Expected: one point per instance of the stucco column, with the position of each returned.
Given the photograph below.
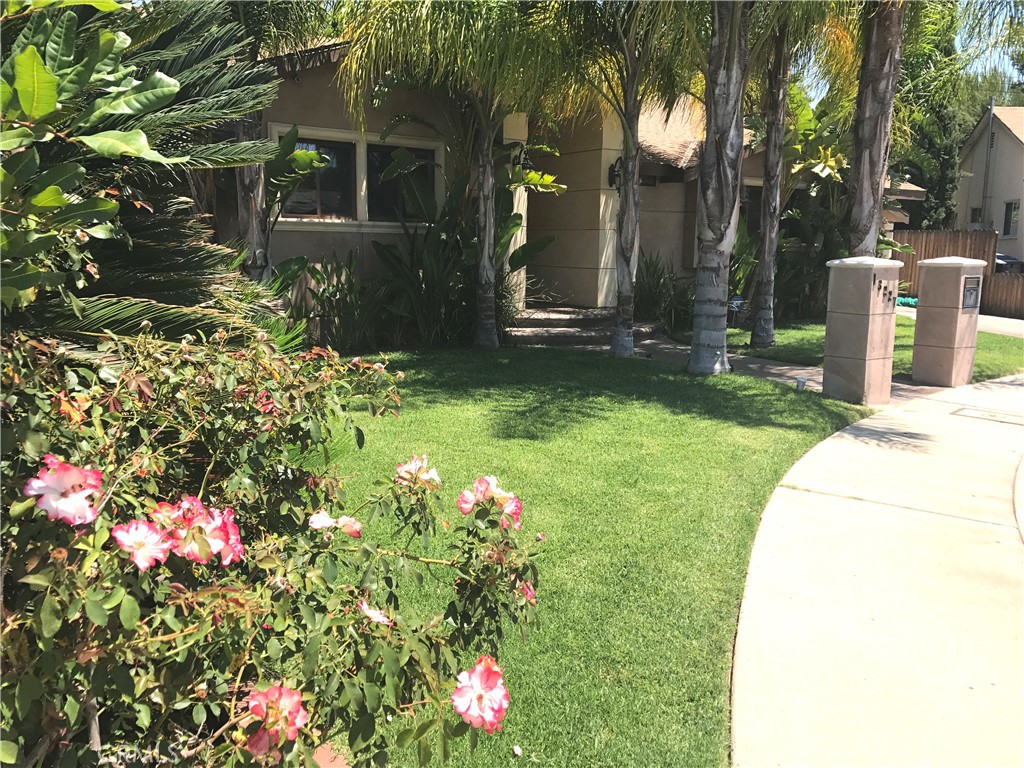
(860, 329)
(946, 332)
(516, 128)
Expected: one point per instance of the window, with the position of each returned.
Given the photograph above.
(975, 215)
(350, 192)
(330, 192)
(1011, 218)
(386, 200)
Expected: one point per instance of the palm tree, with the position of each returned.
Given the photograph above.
(872, 127)
(783, 30)
(165, 269)
(624, 55)
(492, 54)
(273, 27)
(718, 205)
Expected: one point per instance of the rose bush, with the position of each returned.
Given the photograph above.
(184, 580)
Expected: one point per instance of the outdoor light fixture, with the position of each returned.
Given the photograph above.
(522, 159)
(615, 174)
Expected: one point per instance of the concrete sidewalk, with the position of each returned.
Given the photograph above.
(1004, 326)
(883, 618)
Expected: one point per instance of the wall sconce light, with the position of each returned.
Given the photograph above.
(615, 174)
(521, 158)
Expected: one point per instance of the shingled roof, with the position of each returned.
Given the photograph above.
(674, 137)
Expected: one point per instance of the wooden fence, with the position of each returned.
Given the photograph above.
(975, 244)
(1001, 294)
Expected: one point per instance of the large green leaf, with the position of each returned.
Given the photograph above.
(66, 176)
(114, 144)
(15, 138)
(50, 617)
(152, 93)
(92, 211)
(6, 92)
(99, 5)
(22, 165)
(46, 199)
(60, 48)
(35, 84)
(527, 252)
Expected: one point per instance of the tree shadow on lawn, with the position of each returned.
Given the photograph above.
(536, 394)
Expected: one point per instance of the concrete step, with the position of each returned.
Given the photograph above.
(565, 317)
(575, 336)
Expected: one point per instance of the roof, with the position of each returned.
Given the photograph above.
(673, 137)
(1013, 119)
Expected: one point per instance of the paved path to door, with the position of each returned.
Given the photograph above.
(883, 618)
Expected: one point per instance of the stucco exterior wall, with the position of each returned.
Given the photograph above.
(579, 267)
(1006, 183)
(311, 100)
(663, 228)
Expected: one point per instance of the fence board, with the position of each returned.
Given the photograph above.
(933, 244)
(1003, 294)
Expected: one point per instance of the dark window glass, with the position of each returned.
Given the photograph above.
(328, 193)
(385, 199)
(1011, 215)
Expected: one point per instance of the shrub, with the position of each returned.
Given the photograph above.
(184, 580)
(661, 295)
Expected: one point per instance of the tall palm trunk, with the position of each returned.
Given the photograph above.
(718, 206)
(763, 332)
(253, 217)
(486, 323)
(879, 72)
(627, 251)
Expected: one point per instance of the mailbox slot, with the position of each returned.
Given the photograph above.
(972, 293)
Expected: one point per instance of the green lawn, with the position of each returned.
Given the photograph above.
(804, 344)
(649, 484)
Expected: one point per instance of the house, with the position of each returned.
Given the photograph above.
(347, 205)
(992, 164)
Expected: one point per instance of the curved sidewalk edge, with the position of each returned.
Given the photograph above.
(882, 622)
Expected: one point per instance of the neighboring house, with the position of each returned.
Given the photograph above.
(344, 207)
(992, 163)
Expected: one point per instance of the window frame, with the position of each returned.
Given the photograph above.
(362, 222)
(1014, 230)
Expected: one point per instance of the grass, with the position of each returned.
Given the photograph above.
(649, 484)
(804, 344)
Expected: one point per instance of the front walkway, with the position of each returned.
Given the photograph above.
(883, 618)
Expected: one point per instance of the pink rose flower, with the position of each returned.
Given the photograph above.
(526, 590)
(146, 543)
(481, 697)
(64, 491)
(512, 509)
(259, 742)
(483, 488)
(466, 502)
(377, 617)
(282, 713)
(416, 472)
(191, 522)
(320, 520)
(350, 526)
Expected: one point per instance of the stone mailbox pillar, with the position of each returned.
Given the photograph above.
(949, 299)
(860, 329)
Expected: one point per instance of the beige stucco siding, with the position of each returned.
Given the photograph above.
(579, 267)
(662, 219)
(1006, 183)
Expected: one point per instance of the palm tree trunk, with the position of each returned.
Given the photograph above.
(627, 252)
(486, 323)
(253, 217)
(718, 206)
(763, 332)
(879, 72)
